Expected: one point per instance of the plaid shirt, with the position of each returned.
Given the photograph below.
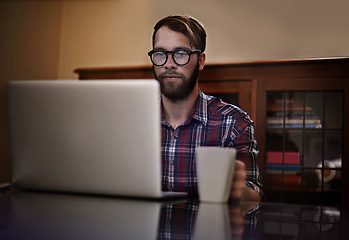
(212, 123)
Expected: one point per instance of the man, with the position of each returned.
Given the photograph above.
(190, 118)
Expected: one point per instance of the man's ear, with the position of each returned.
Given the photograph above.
(202, 60)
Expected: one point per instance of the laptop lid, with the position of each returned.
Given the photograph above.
(100, 137)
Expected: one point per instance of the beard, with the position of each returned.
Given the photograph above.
(174, 91)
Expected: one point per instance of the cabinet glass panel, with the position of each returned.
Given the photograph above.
(293, 195)
(294, 141)
(313, 148)
(275, 110)
(274, 140)
(294, 106)
(284, 147)
(333, 147)
(304, 146)
(333, 159)
(314, 109)
(310, 180)
(331, 178)
(334, 110)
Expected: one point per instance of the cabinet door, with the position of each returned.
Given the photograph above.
(241, 93)
(304, 146)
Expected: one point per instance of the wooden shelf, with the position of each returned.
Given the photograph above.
(297, 189)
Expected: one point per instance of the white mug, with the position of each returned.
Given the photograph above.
(215, 170)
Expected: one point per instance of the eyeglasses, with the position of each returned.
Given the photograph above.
(181, 56)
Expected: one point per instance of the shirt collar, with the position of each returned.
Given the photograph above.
(199, 112)
(200, 109)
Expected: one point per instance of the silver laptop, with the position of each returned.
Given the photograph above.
(96, 137)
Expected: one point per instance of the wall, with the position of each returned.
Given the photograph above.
(104, 33)
(29, 49)
(49, 39)
(240, 30)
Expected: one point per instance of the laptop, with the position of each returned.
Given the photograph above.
(94, 137)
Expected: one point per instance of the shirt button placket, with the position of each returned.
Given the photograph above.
(174, 135)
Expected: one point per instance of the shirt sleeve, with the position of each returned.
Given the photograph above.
(247, 151)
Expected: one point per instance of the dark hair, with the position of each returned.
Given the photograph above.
(187, 25)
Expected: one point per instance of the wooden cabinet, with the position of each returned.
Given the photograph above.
(300, 108)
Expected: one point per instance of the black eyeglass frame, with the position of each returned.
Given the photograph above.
(189, 52)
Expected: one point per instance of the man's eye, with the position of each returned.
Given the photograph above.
(181, 54)
(159, 54)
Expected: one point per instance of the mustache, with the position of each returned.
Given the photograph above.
(171, 74)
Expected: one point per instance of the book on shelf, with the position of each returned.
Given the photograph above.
(293, 120)
(295, 167)
(294, 126)
(283, 169)
(283, 158)
(281, 108)
(283, 180)
(292, 117)
(282, 172)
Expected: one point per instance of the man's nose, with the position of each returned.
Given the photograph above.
(170, 64)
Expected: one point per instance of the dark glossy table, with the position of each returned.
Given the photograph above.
(35, 215)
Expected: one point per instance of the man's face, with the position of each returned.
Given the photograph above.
(177, 82)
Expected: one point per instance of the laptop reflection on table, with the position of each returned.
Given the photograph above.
(35, 215)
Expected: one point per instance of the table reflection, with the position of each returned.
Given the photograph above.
(34, 215)
(195, 220)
